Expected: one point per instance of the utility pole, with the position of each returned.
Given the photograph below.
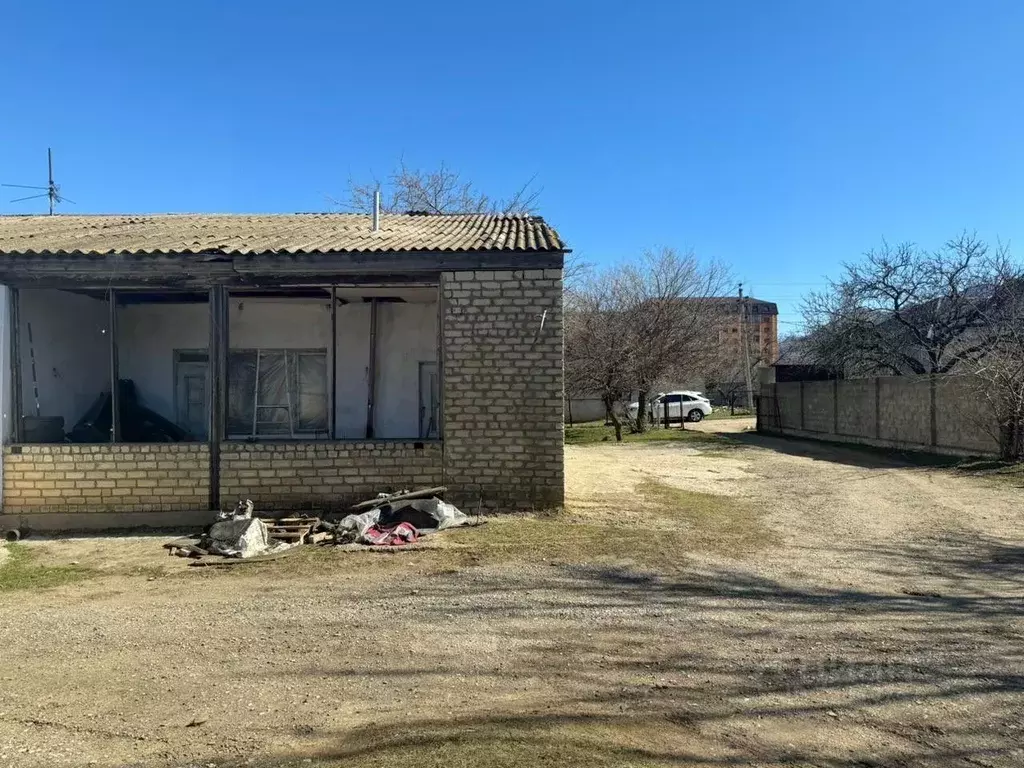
(746, 351)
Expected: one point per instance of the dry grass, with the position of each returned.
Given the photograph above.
(595, 432)
(1010, 473)
(722, 525)
(813, 610)
(696, 522)
(526, 740)
(19, 571)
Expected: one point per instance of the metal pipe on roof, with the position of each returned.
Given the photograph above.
(376, 210)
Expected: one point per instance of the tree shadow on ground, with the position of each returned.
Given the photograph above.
(724, 667)
(868, 457)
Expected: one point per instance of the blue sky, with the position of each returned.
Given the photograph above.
(780, 137)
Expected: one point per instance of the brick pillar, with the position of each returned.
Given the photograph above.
(501, 335)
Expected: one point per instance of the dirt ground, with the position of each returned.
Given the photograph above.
(753, 602)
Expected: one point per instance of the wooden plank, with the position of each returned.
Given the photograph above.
(14, 318)
(217, 374)
(206, 270)
(333, 387)
(186, 541)
(231, 561)
(371, 389)
(115, 380)
(418, 494)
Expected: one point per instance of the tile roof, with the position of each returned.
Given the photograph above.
(244, 234)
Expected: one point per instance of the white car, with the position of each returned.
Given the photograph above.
(691, 405)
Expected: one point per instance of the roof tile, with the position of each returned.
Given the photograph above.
(273, 233)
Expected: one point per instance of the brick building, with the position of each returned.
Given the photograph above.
(302, 361)
(753, 319)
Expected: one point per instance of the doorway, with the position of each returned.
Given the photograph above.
(191, 372)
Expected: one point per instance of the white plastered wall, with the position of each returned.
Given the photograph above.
(407, 334)
(71, 350)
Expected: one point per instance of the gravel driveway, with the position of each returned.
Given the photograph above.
(873, 616)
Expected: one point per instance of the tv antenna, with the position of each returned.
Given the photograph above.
(51, 190)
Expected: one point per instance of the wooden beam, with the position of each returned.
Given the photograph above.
(217, 375)
(371, 390)
(14, 320)
(191, 271)
(115, 383)
(442, 308)
(334, 364)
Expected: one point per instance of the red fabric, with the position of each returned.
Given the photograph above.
(392, 536)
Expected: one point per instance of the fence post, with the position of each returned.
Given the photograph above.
(933, 410)
(835, 406)
(878, 408)
(802, 407)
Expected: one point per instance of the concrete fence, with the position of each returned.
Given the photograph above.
(938, 414)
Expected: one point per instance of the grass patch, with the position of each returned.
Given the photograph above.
(524, 739)
(661, 525)
(706, 523)
(19, 571)
(1011, 473)
(149, 571)
(588, 434)
(723, 413)
(721, 524)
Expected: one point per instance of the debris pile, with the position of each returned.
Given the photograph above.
(236, 534)
(400, 518)
(138, 424)
(389, 520)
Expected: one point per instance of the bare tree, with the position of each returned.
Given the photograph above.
(575, 272)
(904, 310)
(631, 326)
(671, 327)
(597, 352)
(442, 190)
(998, 373)
(727, 379)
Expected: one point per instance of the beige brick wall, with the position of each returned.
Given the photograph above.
(502, 417)
(503, 388)
(904, 408)
(857, 407)
(106, 478)
(324, 475)
(819, 402)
